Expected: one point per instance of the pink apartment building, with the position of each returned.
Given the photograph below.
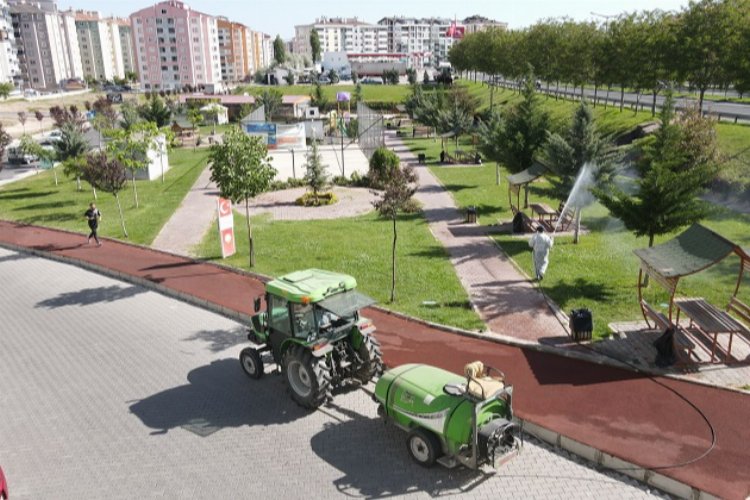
(175, 46)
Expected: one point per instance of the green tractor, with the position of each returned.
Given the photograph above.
(313, 329)
(451, 420)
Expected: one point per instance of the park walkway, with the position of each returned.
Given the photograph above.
(187, 226)
(632, 416)
(503, 296)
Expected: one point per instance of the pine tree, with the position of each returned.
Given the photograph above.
(566, 156)
(675, 168)
(316, 173)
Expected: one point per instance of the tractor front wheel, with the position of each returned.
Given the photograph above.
(251, 362)
(372, 359)
(307, 377)
(423, 446)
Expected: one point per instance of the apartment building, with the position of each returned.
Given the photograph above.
(234, 53)
(337, 34)
(46, 43)
(125, 34)
(101, 54)
(427, 41)
(175, 46)
(9, 69)
(476, 23)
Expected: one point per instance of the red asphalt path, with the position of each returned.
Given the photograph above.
(614, 410)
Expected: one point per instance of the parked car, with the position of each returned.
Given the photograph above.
(17, 155)
(372, 80)
(324, 80)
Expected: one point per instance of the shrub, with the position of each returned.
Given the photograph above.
(313, 200)
(288, 184)
(412, 206)
(382, 163)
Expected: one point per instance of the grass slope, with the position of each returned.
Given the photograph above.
(380, 93)
(36, 200)
(360, 246)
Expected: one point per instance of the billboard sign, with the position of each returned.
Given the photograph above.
(265, 130)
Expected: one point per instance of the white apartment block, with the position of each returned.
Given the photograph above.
(9, 68)
(99, 42)
(427, 41)
(125, 33)
(47, 47)
(341, 35)
(175, 46)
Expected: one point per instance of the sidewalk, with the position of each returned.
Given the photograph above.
(503, 297)
(619, 412)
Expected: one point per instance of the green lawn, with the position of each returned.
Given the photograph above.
(733, 138)
(380, 93)
(360, 246)
(36, 200)
(601, 271)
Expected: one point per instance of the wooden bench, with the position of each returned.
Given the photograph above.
(742, 310)
(684, 346)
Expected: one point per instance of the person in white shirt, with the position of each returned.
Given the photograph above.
(540, 245)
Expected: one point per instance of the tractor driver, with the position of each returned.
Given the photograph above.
(325, 319)
(304, 320)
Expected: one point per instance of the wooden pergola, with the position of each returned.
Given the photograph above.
(522, 180)
(692, 251)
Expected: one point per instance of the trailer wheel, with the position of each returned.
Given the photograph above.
(251, 362)
(307, 377)
(423, 446)
(372, 359)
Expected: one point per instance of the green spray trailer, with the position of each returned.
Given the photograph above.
(451, 419)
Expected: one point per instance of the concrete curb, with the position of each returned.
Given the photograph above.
(611, 462)
(664, 483)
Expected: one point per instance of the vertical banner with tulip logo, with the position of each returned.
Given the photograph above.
(226, 227)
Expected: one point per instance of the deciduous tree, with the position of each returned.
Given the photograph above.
(241, 168)
(398, 188)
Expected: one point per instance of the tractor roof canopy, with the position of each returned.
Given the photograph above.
(310, 285)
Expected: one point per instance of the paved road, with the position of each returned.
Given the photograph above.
(108, 390)
(628, 415)
(727, 110)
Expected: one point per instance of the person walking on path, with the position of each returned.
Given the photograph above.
(540, 245)
(92, 216)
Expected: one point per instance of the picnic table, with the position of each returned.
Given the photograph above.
(709, 319)
(543, 210)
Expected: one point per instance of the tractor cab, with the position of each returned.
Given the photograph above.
(315, 314)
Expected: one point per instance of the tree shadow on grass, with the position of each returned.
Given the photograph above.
(52, 204)
(22, 196)
(47, 218)
(217, 395)
(579, 289)
(433, 252)
(91, 296)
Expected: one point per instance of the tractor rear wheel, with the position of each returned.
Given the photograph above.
(307, 377)
(251, 362)
(372, 359)
(423, 446)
